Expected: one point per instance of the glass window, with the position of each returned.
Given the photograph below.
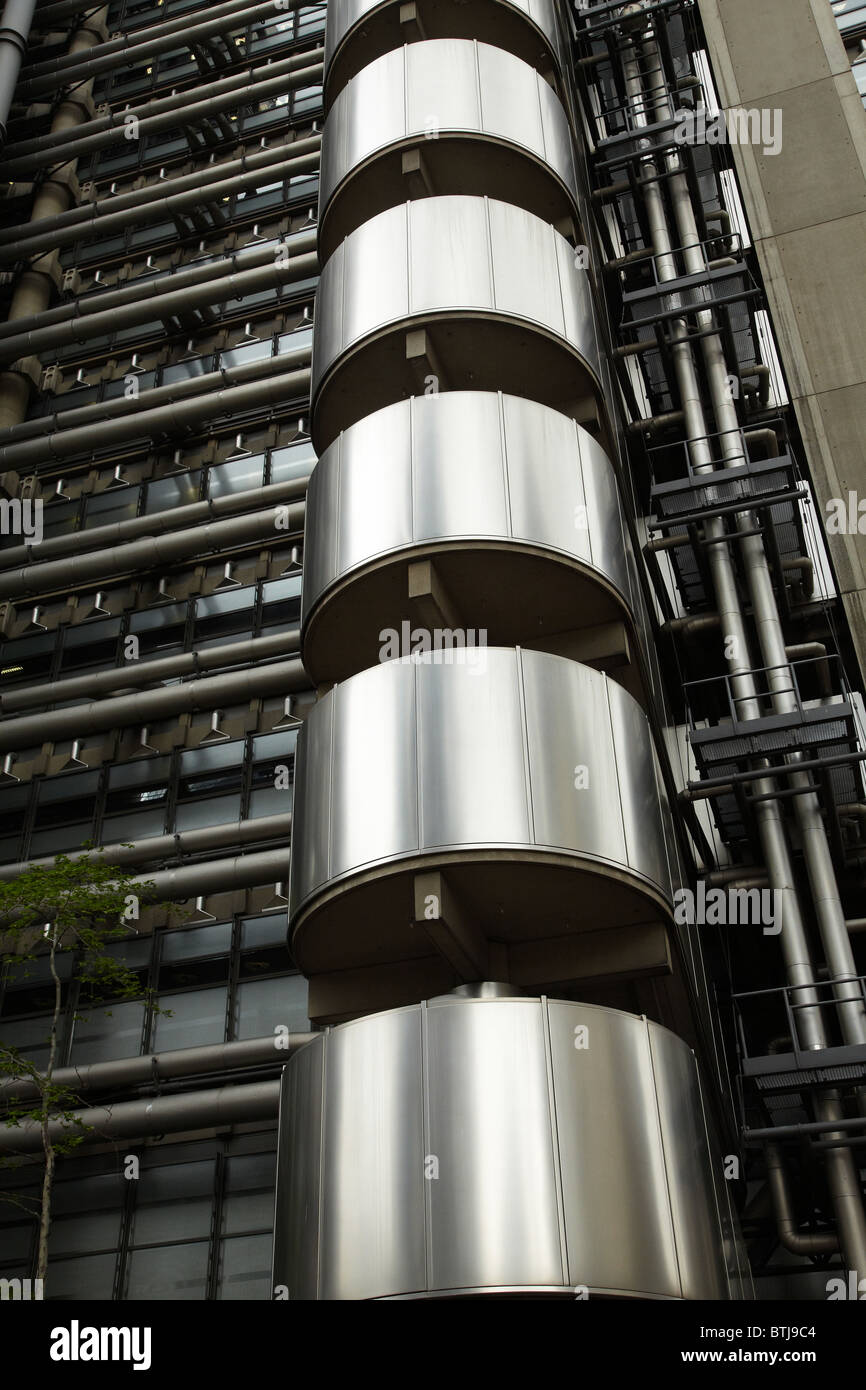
(263, 1005)
(238, 475)
(105, 1035)
(59, 517)
(26, 974)
(210, 769)
(87, 1279)
(136, 826)
(267, 930)
(90, 644)
(245, 1268)
(294, 461)
(249, 352)
(28, 659)
(165, 494)
(174, 1202)
(61, 798)
(298, 338)
(136, 787)
(59, 839)
(199, 1017)
(16, 1241)
(215, 810)
(29, 1036)
(13, 809)
(190, 943)
(168, 1272)
(134, 953)
(73, 1235)
(185, 371)
(228, 612)
(118, 504)
(160, 629)
(93, 1192)
(281, 602)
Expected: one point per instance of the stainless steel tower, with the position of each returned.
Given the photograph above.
(472, 808)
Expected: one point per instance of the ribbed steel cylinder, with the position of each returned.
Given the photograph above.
(527, 781)
(359, 31)
(447, 116)
(453, 293)
(515, 506)
(499, 1146)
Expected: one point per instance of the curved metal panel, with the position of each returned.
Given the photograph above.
(492, 1145)
(489, 293)
(359, 31)
(447, 761)
(468, 1146)
(479, 121)
(684, 1138)
(373, 1089)
(516, 503)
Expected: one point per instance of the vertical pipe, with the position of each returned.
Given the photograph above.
(14, 29)
(800, 971)
(843, 1175)
(816, 851)
(33, 292)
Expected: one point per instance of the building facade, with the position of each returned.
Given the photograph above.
(432, 525)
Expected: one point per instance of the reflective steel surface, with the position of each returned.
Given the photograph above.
(469, 110)
(517, 503)
(516, 768)
(495, 289)
(490, 1145)
(359, 31)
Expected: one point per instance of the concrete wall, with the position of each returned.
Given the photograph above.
(807, 212)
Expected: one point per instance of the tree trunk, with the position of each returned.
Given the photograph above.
(48, 1147)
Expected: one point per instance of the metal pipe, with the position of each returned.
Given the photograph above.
(87, 217)
(132, 37)
(160, 395)
(157, 1115)
(813, 835)
(794, 941)
(15, 25)
(799, 1131)
(144, 213)
(157, 1067)
(230, 835)
(151, 552)
(145, 706)
(34, 288)
(179, 415)
(157, 524)
(842, 1174)
(257, 89)
(817, 651)
(215, 876)
(115, 120)
(717, 878)
(130, 48)
(154, 301)
(799, 1243)
(134, 673)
